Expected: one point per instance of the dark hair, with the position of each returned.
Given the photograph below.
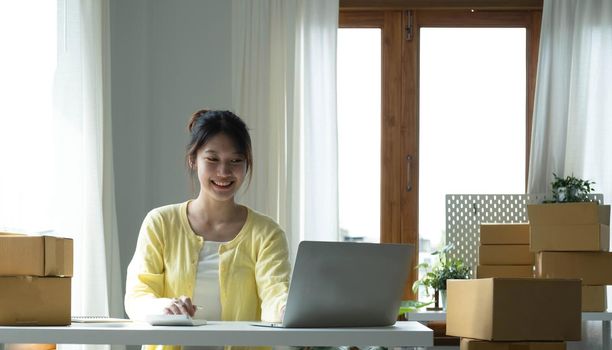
(205, 124)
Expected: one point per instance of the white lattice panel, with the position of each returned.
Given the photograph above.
(465, 212)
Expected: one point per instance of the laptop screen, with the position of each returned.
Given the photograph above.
(345, 284)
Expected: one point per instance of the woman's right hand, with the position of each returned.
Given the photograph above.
(180, 306)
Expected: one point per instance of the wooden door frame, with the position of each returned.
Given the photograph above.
(530, 20)
(399, 102)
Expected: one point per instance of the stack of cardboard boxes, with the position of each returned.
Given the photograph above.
(504, 251)
(514, 313)
(572, 240)
(35, 276)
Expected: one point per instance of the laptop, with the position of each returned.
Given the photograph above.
(345, 284)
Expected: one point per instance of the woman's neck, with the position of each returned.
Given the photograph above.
(216, 221)
(215, 212)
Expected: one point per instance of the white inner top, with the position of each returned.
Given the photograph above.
(206, 293)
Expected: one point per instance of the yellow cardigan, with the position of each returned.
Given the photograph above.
(254, 267)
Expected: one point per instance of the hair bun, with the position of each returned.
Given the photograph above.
(194, 118)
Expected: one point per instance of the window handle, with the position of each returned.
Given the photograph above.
(408, 173)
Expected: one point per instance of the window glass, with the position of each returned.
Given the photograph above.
(359, 106)
(472, 122)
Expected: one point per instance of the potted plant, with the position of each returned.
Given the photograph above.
(570, 221)
(570, 189)
(436, 275)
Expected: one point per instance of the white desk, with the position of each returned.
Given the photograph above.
(426, 316)
(405, 334)
(604, 317)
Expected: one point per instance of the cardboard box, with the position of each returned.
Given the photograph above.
(594, 268)
(505, 254)
(504, 233)
(584, 213)
(39, 301)
(473, 344)
(35, 256)
(514, 309)
(594, 299)
(508, 271)
(30, 346)
(569, 227)
(587, 237)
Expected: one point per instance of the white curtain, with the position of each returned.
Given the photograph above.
(284, 86)
(55, 141)
(84, 197)
(572, 120)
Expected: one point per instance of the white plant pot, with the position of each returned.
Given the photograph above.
(443, 298)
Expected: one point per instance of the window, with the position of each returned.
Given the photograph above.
(425, 151)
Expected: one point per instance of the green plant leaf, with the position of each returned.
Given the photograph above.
(412, 306)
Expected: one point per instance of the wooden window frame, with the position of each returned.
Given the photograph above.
(402, 5)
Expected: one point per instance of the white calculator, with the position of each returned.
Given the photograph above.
(174, 320)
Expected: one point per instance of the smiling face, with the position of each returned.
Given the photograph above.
(221, 168)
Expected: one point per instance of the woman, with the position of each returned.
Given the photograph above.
(211, 257)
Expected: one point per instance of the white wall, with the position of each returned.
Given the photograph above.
(168, 59)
